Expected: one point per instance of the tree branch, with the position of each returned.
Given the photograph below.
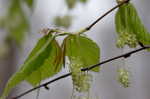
(84, 69)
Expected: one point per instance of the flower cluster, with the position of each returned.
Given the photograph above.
(127, 39)
(81, 80)
(123, 77)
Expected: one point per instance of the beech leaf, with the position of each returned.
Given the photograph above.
(82, 50)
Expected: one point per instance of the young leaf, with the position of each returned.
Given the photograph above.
(128, 21)
(44, 61)
(82, 50)
(52, 64)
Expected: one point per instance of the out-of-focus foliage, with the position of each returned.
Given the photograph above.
(30, 3)
(63, 21)
(71, 3)
(66, 20)
(15, 21)
(83, 1)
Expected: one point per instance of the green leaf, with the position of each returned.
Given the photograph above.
(52, 64)
(44, 61)
(128, 21)
(82, 50)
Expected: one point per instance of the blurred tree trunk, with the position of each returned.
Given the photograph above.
(7, 65)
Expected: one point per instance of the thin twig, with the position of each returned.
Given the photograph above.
(84, 69)
(105, 14)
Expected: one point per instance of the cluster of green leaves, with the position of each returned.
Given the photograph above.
(129, 27)
(66, 20)
(15, 22)
(46, 59)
